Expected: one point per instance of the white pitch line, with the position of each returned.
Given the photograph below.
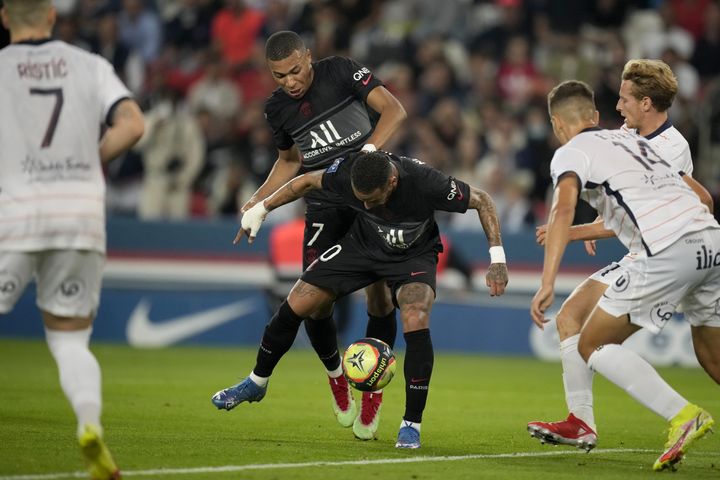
(270, 466)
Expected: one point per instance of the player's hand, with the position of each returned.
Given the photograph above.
(542, 300)
(591, 247)
(540, 232)
(248, 205)
(251, 221)
(497, 278)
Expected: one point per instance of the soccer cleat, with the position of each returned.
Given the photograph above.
(687, 426)
(245, 391)
(408, 437)
(571, 431)
(344, 404)
(99, 462)
(366, 424)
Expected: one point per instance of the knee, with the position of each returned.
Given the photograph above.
(379, 300)
(415, 316)
(586, 348)
(567, 323)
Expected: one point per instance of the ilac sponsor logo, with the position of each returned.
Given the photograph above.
(704, 259)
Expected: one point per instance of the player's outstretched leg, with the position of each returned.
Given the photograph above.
(343, 400)
(100, 463)
(571, 431)
(692, 423)
(366, 424)
(245, 391)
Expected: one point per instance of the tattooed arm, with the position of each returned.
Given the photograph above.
(128, 125)
(294, 189)
(497, 275)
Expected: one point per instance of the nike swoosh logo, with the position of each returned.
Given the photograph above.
(141, 332)
(367, 80)
(418, 380)
(412, 274)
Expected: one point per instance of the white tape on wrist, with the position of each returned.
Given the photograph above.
(368, 147)
(497, 255)
(253, 218)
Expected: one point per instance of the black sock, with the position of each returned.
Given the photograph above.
(383, 328)
(323, 337)
(279, 336)
(418, 370)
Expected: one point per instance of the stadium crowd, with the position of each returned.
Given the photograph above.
(472, 75)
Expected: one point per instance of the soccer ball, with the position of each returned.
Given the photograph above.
(369, 364)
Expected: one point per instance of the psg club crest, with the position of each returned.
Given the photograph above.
(306, 109)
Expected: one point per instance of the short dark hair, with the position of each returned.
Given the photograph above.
(370, 171)
(570, 90)
(282, 44)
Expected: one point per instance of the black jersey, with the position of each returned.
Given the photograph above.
(331, 119)
(405, 225)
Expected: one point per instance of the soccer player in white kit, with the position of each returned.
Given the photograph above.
(54, 98)
(652, 208)
(646, 93)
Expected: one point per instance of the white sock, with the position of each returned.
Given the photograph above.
(79, 373)
(629, 371)
(335, 373)
(405, 423)
(259, 381)
(577, 379)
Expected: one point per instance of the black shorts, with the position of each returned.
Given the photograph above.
(324, 227)
(343, 269)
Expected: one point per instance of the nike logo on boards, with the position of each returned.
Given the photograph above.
(142, 332)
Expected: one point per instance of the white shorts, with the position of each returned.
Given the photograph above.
(649, 289)
(68, 281)
(609, 274)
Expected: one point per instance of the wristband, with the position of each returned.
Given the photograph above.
(368, 147)
(497, 254)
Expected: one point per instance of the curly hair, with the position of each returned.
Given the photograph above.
(370, 171)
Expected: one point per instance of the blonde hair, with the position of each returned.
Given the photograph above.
(653, 79)
(26, 13)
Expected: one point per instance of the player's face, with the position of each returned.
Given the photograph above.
(629, 107)
(293, 74)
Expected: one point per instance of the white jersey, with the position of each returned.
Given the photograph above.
(650, 204)
(54, 98)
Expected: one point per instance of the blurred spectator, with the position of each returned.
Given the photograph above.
(140, 29)
(128, 65)
(215, 93)
(66, 29)
(173, 151)
(707, 50)
(188, 27)
(517, 77)
(235, 29)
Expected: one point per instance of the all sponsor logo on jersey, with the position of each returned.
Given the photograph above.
(326, 138)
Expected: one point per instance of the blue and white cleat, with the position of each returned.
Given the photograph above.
(408, 437)
(245, 391)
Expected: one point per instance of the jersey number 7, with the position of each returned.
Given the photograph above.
(55, 116)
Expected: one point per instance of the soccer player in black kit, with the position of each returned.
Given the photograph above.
(320, 111)
(393, 238)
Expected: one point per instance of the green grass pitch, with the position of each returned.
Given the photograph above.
(158, 415)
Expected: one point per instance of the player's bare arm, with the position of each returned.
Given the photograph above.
(392, 114)
(297, 187)
(286, 167)
(497, 275)
(586, 231)
(561, 217)
(700, 191)
(128, 126)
